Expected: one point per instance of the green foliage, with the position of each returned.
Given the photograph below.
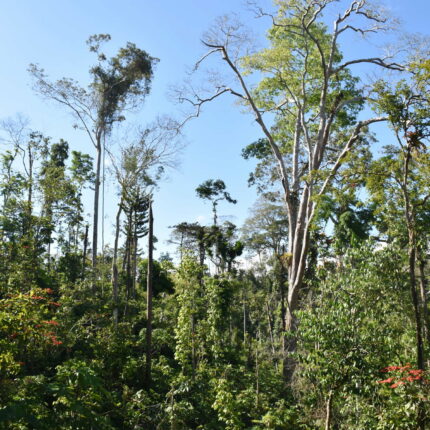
(162, 280)
(220, 357)
(358, 322)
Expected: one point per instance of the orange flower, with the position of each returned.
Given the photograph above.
(415, 372)
(396, 384)
(386, 381)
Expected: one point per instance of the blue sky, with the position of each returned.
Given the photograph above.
(53, 33)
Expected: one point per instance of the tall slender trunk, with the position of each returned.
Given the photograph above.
(115, 266)
(84, 253)
(283, 316)
(423, 293)
(329, 411)
(244, 317)
(49, 217)
(193, 344)
(134, 261)
(128, 257)
(149, 280)
(30, 181)
(96, 199)
(270, 322)
(49, 256)
(257, 371)
(415, 301)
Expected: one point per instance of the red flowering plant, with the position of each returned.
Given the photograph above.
(28, 329)
(403, 375)
(403, 390)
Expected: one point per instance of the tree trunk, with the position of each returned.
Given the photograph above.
(423, 293)
(283, 328)
(128, 258)
(134, 262)
(270, 322)
(193, 344)
(96, 200)
(115, 267)
(84, 253)
(30, 182)
(149, 293)
(328, 416)
(257, 371)
(415, 302)
(244, 317)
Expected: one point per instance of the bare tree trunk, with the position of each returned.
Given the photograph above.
(149, 293)
(128, 258)
(423, 293)
(49, 255)
(134, 262)
(30, 181)
(244, 317)
(415, 302)
(257, 371)
(328, 416)
(84, 253)
(96, 200)
(193, 345)
(126, 247)
(283, 316)
(270, 322)
(115, 267)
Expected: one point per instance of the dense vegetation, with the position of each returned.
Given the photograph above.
(327, 324)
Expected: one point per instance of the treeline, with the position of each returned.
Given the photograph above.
(326, 326)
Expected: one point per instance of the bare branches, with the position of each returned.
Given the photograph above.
(230, 33)
(16, 130)
(381, 62)
(197, 101)
(148, 153)
(68, 93)
(198, 62)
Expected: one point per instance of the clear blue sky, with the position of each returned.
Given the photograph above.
(52, 33)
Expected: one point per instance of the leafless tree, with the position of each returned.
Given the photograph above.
(139, 166)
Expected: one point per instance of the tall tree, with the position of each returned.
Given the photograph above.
(117, 84)
(306, 104)
(149, 294)
(398, 181)
(401, 176)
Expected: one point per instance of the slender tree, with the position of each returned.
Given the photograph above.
(118, 84)
(149, 294)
